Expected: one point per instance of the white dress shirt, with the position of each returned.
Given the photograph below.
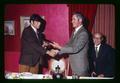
(98, 47)
(35, 31)
(76, 29)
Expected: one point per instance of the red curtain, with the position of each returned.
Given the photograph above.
(105, 22)
(88, 10)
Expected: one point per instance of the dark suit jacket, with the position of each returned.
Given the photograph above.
(31, 48)
(104, 63)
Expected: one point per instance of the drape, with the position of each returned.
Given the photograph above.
(105, 22)
(88, 10)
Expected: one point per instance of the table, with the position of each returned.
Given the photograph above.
(27, 75)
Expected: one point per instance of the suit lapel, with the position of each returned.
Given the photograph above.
(34, 34)
(73, 37)
(79, 31)
(94, 53)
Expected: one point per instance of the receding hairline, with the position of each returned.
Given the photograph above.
(98, 33)
(78, 15)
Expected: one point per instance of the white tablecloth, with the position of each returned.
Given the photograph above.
(26, 75)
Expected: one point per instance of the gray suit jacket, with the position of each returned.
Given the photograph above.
(77, 48)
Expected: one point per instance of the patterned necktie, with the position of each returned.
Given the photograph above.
(74, 32)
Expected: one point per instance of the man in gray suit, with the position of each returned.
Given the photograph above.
(77, 47)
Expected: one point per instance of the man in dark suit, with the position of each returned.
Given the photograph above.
(77, 47)
(102, 58)
(31, 47)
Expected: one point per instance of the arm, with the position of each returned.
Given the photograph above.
(77, 46)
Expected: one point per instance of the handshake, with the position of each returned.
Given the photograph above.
(52, 51)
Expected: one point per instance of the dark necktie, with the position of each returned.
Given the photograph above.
(96, 51)
(37, 34)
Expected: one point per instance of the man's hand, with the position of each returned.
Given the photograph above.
(45, 44)
(56, 45)
(52, 52)
(93, 74)
(101, 75)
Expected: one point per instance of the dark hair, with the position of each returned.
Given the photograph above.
(42, 26)
(35, 17)
(104, 39)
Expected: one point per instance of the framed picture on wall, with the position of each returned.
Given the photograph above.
(9, 28)
(24, 22)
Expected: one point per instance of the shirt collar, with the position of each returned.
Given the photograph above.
(76, 29)
(98, 46)
(34, 29)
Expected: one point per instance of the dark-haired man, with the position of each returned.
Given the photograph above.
(31, 48)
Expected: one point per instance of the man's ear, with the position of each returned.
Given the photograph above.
(80, 20)
(102, 39)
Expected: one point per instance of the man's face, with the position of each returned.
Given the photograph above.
(36, 24)
(75, 21)
(97, 39)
